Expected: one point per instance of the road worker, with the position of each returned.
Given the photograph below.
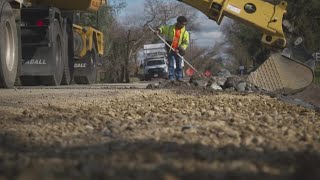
(178, 37)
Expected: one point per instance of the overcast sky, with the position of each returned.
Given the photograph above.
(209, 30)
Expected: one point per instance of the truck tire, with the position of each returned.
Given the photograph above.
(93, 66)
(57, 53)
(89, 77)
(29, 80)
(147, 77)
(68, 55)
(8, 46)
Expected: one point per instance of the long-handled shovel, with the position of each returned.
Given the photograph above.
(177, 53)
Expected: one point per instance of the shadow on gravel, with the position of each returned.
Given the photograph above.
(149, 159)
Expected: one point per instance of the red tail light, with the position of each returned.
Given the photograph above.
(40, 23)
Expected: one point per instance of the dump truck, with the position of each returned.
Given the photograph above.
(41, 45)
(283, 73)
(155, 61)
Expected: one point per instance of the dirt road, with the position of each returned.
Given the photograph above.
(107, 133)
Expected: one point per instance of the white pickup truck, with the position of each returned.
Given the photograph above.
(155, 61)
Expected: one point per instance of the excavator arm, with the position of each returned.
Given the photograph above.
(279, 73)
(257, 13)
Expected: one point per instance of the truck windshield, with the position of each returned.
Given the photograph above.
(155, 62)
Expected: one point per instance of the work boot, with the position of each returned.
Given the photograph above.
(180, 80)
(171, 79)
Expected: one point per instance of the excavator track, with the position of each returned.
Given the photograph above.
(282, 75)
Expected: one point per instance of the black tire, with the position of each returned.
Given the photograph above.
(80, 80)
(29, 80)
(68, 55)
(91, 75)
(57, 57)
(147, 77)
(8, 46)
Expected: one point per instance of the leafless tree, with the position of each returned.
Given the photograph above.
(127, 37)
(166, 11)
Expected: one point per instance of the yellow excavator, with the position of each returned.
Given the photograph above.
(41, 44)
(281, 72)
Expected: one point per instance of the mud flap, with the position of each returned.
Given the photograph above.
(282, 75)
(44, 64)
(41, 66)
(38, 64)
(38, 67)
(85, 70)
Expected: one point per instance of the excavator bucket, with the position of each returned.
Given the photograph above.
(282, 75)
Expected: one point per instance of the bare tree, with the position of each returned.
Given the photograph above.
(126, 38)
(166, 11)
(243, 43)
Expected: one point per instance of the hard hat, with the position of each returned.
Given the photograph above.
(182, 19)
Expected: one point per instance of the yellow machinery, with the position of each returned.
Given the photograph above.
(85, 40)
(279, 73)
(262, 15)
(42, 46)
(88, 46)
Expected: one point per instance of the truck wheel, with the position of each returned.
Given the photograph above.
(57, 57)
(68, 56)
(93, 66)
(8, 46)
(91, 73)
(147, 77)
(29, 80)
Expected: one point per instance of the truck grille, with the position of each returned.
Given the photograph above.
(155, 70)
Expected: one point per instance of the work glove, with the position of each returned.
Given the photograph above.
(157, 32)
(181, 51)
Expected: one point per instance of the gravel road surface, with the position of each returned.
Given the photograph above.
(169, 134)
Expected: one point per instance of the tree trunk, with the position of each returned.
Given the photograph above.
(126, 63)
(122, 74)
(127, 77)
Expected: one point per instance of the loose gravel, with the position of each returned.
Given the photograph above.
(155, 134)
